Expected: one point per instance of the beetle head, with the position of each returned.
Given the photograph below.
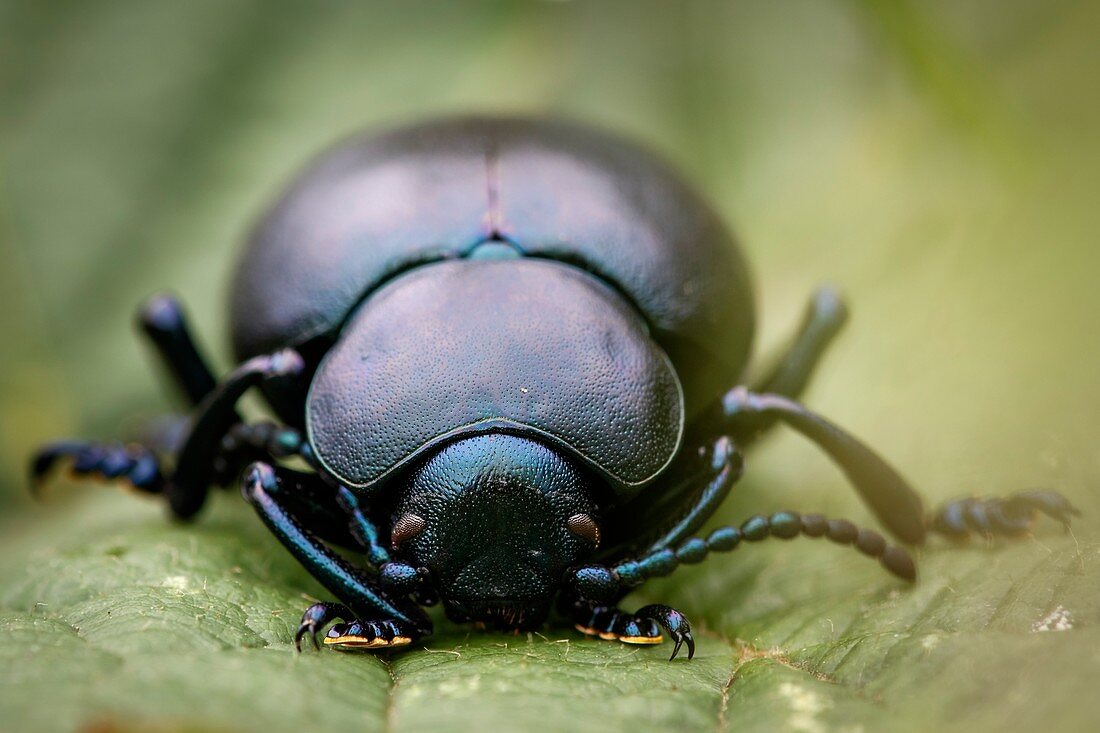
(496, 520)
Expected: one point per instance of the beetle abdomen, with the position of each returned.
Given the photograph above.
(377, 206)
(525, 345)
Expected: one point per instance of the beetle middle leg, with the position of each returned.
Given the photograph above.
(135, 465)
(197, 464)
(888, 494)
(373, 618)
(823, 320)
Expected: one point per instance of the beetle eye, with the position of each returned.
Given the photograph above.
(585, 527)
(406, 527)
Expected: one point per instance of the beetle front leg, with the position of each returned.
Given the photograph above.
(641, 627)
(246, 443)
(592, 591)
(338, 511)
(375, 620)
(589, 601)
(351, 633)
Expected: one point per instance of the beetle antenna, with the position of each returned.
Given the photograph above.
(785, 526)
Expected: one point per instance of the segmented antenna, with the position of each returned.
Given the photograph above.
(783, 525)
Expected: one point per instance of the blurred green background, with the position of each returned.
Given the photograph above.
(938, 160)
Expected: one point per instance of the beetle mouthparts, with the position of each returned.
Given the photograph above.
(503, 614)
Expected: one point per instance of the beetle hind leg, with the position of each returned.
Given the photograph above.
(163, 322)
(641, 627)
(825, 316)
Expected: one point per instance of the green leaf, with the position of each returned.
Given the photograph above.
(111, 614)
(939, 160)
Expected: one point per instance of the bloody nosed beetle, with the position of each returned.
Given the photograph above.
(508, 351)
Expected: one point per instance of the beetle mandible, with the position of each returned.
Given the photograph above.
(509, 351)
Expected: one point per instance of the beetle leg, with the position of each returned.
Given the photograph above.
(134, 464)
(825, 316)
(724, 467)
(377, 634)
(244, 443)
(316, 618)
(355, 634)
(889, 495)
(340, 508)
(138, 465)
(641, 627)
(675, 625)
(392, 622)
(313, 502)
(335, 514)
(1013, 515)
(197, 463)
(337, 507)
(362, 528)
(213, 420)
(162, 320)
(334, 517)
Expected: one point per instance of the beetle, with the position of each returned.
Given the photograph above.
(510, 353)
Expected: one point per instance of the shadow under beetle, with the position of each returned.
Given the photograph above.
(509, 353)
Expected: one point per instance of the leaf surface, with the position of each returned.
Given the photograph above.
(937, 160)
